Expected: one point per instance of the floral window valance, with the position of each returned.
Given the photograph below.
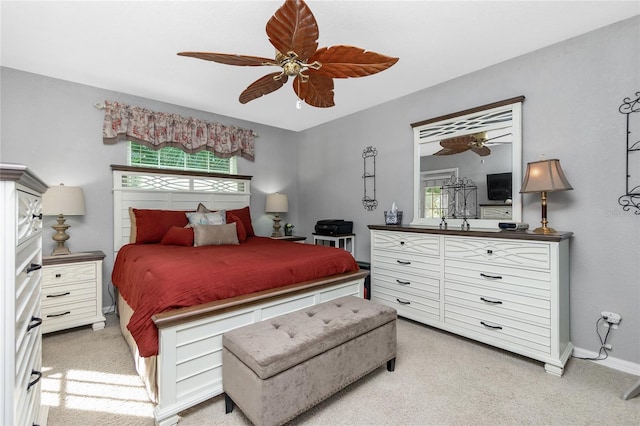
(158, 130)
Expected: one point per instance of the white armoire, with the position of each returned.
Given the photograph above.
(20, 335)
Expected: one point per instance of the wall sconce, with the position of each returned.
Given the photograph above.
(277, 203)
(544, 176)
(59, 201)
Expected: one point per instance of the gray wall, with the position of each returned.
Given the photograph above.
(52, 127)
(573, 91)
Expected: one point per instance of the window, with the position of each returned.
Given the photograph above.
(435, 202)
(177, 159)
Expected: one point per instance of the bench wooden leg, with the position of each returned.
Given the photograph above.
(391, 364)
(228, 404)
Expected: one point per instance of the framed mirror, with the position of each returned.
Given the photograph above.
(468, 167)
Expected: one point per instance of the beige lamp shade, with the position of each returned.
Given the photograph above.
(59, 201)
(545, 176)
(277, 203)
(62, 199)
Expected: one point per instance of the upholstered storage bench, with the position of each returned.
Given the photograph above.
(276, 369)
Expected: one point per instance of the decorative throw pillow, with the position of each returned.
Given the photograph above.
(214, 235)
(212, 218)
(177, 236)
(242, 233)
(244, 215)
(152, 225)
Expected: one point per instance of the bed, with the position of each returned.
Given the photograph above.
(182, 363)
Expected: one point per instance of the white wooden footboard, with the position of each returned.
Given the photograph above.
(190, 356)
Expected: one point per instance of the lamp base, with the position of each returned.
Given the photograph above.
(276, 226)
(544, 230)
(60, 236)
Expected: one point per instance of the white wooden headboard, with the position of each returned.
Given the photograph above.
(145, 188)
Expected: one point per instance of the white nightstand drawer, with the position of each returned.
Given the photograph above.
(54, 275)
(406, 243)
(60, 316)
(57, 295)
(499, 252)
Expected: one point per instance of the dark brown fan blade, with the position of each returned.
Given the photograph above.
(460, 142)
(230, 59)
(350, 61)
(293, 28)
(262, 86)
(482, 151)
(317, 91)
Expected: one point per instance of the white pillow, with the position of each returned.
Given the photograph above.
(212, 218)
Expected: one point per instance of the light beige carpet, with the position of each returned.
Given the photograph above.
(440, 379)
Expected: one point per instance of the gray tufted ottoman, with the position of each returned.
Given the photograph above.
(276, 369)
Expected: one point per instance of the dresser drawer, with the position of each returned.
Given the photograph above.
(409, 263)
(499, 252)
(29, 216)
(522, 308)
(406, 243)
(500, 278)
(419, 285)
(498, 329)
(27, 401)
(55, 275)
(407, 304)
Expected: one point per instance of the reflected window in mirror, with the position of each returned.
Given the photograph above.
(469, 145)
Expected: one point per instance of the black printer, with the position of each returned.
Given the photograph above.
(334, 227)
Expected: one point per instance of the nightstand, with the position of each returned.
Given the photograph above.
(72, 291)
(343, 241)
(290, 238)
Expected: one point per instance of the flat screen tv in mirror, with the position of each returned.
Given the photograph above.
(499, 186)
(480, 148)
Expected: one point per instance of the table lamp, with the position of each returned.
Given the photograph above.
(544, 176)
(277, 203)
(59, 201)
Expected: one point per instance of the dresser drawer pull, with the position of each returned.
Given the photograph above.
(403, 282)
(493, 277)
(403, 262)
(33, 267)
(58, 275)
(66, 293)
(35, 322)
(489, 251)
(37, 216)
(58, 315)
(494, 327)
(401, 243)
(495, 302)
(34, 373)
(403, 302)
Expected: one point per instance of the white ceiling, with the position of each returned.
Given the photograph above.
(131, 46)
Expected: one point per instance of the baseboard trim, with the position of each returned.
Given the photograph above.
(611, 362)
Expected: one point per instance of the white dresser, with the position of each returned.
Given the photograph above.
(20, 334)
(72, 291)
(506, 289)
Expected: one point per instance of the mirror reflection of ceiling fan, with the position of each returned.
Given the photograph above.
(478, 143)
(293, 31)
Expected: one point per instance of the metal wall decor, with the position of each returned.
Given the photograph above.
(369, 178)
(459, 201)
(631, 199)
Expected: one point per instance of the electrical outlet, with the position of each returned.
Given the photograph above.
(611, 319)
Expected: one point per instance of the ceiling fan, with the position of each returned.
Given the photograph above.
(477, 143)
(293, 31)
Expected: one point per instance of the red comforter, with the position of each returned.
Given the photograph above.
(155, 278)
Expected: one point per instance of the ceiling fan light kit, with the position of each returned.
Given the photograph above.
(293, 31)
